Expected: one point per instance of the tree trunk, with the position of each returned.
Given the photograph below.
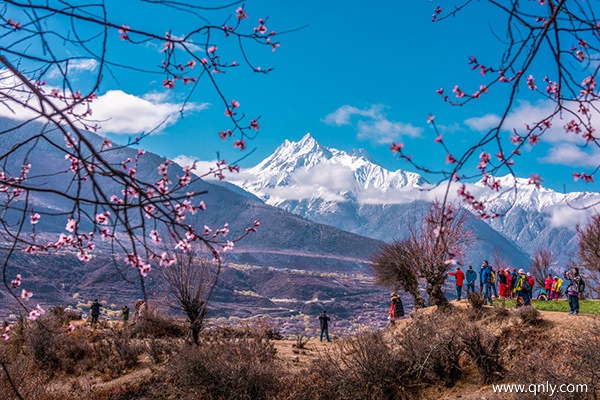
(436, 295)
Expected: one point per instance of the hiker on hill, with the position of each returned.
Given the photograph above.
(502, 283)
(494, 282)
(125, 313)
(460, 278)
(396, 308)
(95, 311)
(324, 325)
(573, 290)
(471, 277)
(487, 278)
(531, 285)
(521, 289)
(556, 291)
(509, 283)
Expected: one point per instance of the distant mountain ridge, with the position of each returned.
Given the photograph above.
(352, 192)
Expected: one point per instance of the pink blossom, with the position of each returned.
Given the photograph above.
(211, 49)
(123, 32)
(450, 159)
(534, 139)
(459, 93)
(15, 25)
(26, 295)
(71, 225)
(228, 246)
(254, 125)
(34, 218)
(16, 282)
(438, 139)
(154, 236)
(241, 144)
(169, 83)
(440, 91)
(430, 118)
(535, 179)
(396, 147)
(451, 262)
(102, 218)
(241, 14)
(202, 205)
(516, 139)
(531, 83)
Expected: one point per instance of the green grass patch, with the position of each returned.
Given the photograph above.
(585, 306)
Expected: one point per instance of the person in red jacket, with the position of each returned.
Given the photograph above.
(502, 280)
(508, 283)
(460, 278)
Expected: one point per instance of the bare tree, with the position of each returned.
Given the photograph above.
(439, 243)
(541, 265)
(191, 281)
(394, 265)
(428, 253)
(588, 237)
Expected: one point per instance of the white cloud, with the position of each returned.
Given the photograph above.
(333, 176)
(74, 66)
(567, 217)
(203, 169)
(343, 114)
(570, 154)
(373, 124)
(120, 112)
(483, 124)
(115, 111)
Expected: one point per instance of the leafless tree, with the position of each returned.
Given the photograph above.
(432, 248)
(190, 282)
(588, 237)
(541, 265)
(439, 243)
(394, 265)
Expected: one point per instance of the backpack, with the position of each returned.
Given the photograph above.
(581, 286)
(492, 277)
(526, 285)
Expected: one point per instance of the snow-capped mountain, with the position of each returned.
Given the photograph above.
(351, 192)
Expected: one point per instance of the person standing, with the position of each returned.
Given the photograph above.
(324, 325)
(573, 289)
(555, 292)
(509, 283)
(471, 277)
(548, 283)
(502, 280)
(521, 289)
(125, 313)
(396, 308)
(95, 311)
(460, 278)
(486, 278)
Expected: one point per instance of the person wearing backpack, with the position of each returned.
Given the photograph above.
(575, 287)
(509, 284)
(521, 288)
(531, 282)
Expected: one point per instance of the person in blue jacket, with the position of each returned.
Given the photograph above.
(486, 279)
(471, 277)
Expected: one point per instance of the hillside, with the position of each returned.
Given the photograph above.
(459, 354)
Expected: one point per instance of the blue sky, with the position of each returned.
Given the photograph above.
(359, 75)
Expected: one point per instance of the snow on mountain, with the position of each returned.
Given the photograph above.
(306, 170)
(350, 191)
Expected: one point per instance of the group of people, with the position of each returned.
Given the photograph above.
(96, 306)
(519, 285)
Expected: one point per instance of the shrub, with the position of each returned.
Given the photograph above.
(484, 349)
(529, 315)
(226, 369)
(151, 323)
(476, 303)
